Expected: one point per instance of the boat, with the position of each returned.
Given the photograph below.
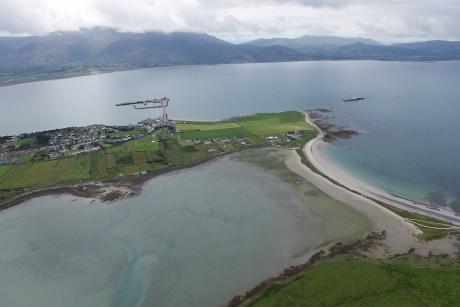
(353, 99)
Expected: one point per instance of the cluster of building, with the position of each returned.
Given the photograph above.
(61, 142)
(281, 139)
(157, 123)
(74, 141)
(272, 140)
(12, 157)
(223, 141)
(56, 144)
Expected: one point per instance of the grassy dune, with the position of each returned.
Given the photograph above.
(431, 228)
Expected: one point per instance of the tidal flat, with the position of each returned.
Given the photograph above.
(194, 237)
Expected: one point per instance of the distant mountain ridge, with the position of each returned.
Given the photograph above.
(308, 41)
(69, 53)
(105, 47)
(341, 48)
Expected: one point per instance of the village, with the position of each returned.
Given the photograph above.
(74, 141)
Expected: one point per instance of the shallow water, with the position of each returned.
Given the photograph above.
(194, 237)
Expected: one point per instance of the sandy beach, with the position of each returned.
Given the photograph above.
(401, 235)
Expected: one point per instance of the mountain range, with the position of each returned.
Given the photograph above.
(340, 48)
(68, 53)
(308, 42)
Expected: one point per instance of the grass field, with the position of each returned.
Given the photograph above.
(205, 126)
(150, 153)
(146, 143)
(345, 282)
(262, 124)
(46, 173)
(4, 169)
(218, 133)
(127, 132)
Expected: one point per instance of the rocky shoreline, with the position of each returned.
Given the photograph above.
(331, 132)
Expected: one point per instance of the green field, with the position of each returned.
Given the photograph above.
(153, 152)
(205, 126)
(4, 169)
(146, 143)
(127, 132)
(263, 124)
(346, 282)
(218, 133)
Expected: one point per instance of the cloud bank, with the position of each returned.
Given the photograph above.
(238, 20)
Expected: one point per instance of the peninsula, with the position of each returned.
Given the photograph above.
(80, 160)
(112, 162)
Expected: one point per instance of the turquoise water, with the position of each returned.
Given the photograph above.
(409, 119)
(195, 237)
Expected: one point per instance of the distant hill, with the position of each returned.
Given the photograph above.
(308, 42)
(71, 53)
(105, 47)
(362, 51)
(437, 49)
(421, 51)
(341, 48)
(159, 49)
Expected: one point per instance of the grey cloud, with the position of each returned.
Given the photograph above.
(237, 20)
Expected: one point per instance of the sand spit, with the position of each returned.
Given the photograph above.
(401, 235)
(314, 150)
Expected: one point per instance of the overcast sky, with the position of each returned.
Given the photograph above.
(241, 20)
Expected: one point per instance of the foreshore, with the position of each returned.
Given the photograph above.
(332, 180)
